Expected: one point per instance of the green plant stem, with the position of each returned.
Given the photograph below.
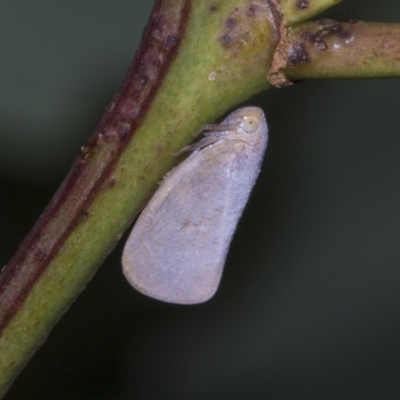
(192, 66)
(332, 49)
(197, 60)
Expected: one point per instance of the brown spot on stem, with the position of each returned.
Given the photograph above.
(230, 22)
(213, 8)
(112, 182)
(298, 54)
(328, 29)
(251, 10)
(226, 40)
(237, 26)
(302, 4)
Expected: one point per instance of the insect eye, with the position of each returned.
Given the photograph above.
(250, 124)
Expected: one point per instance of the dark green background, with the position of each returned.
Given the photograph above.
(309, 304)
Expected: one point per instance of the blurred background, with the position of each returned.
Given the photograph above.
(309, 304)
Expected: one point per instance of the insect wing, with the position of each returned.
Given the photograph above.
(178, 246)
